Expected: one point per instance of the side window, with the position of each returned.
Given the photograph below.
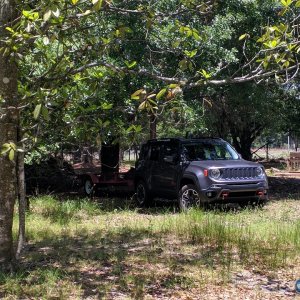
(154, 152)
(189, 152)
(222, 153)
(170, 150)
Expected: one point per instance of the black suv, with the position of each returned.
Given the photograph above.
(197, 171)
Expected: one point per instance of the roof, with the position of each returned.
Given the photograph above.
(184, 140)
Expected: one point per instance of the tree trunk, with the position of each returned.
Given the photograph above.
(243, 146)
(153, 126)
(8, 133)
(22, 204)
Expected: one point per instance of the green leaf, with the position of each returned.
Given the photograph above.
(10, 29)
(136, 95)
(5, 148)
(35, 16)
(106, 123)
(196, 35)
(283, 12)
(190, 53)
(11, 154)
(151, 96)
(13, 146)
(37, 111)
(173, 86)
(176, 44)
(161, 93)
(183, 64)
(205, 74)
(152, 102)
(142, 105)
(297, 4)
(186, 31)
(286, 64)
(130, 65)
(243, 36)
(26, 13)
(87, 12)
(97, 4)
(74, 2)
(47, 15)
(106, 106)
(56, 12)
(138, 128)
(30, 15)
(46, 40)
(45, 113)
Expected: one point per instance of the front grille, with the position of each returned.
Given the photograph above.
(238, 173)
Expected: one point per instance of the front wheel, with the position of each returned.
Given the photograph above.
(189, 197)
(143, 196)
(88, 187)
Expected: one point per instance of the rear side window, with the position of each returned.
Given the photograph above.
(170, 150)
(154, 152)
(144, 152)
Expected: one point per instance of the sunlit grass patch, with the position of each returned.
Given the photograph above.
(46, 283)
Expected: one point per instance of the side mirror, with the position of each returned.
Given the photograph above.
(240, 156)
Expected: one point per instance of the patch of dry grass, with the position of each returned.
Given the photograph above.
(80, 249)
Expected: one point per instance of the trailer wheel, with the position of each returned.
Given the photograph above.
(143, 196)
(88, 187)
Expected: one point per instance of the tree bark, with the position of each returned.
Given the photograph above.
(9, 117)
(22, 204)
(153, 129)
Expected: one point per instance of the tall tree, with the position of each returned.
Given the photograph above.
(241, 113)
(9, 120)
(169, 42)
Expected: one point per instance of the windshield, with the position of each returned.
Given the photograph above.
(212, 150)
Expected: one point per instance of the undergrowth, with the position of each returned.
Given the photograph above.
(78, 248)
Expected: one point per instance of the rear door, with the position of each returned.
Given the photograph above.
(168, 169)
(154, 161)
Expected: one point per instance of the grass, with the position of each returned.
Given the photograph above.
(78, 248)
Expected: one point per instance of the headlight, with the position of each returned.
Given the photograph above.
(215, 173)
(259, 172)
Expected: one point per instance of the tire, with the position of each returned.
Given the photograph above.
(143, 197)
(88, 187)
(189, 197)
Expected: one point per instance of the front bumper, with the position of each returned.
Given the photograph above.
(235, 192)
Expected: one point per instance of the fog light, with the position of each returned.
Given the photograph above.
(209, 194)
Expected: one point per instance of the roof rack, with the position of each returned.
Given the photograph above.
(183, 139)
(198, 135)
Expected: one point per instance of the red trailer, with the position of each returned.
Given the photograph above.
(93, 179)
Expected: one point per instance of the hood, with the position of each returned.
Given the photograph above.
(240, 163)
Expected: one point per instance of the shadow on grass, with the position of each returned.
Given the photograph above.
(129, 263)
(124, 262)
